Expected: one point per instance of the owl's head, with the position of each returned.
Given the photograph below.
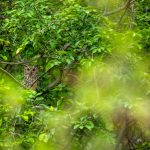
(30, 70)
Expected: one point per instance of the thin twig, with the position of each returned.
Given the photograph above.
(51, 84)
(13, 63)
(39, 77)
(122, 16)
(13, 78)
(54, 83)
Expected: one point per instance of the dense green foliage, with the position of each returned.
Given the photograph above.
(142, 19)
(87, 65)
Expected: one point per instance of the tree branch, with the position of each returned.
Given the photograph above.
(51, 84)
(13, 63)
(54, 83)
(9, 75)
(128, 3)
(39, 78)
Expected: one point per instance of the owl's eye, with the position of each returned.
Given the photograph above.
(33, 69)
(28, 69)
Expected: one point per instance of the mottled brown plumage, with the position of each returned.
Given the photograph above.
(30, 76)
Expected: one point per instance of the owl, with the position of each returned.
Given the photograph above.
(30, 77)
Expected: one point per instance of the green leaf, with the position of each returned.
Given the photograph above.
(39, 98)
(43, 137)
(30, 140)
(52, 64)
(89, 125)
(44, 106)
(59, 102)
(51, 108)
(18, 50)
(25, 118)
(22, 46)
(5, 58)
(76, 126)
(81, 127)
